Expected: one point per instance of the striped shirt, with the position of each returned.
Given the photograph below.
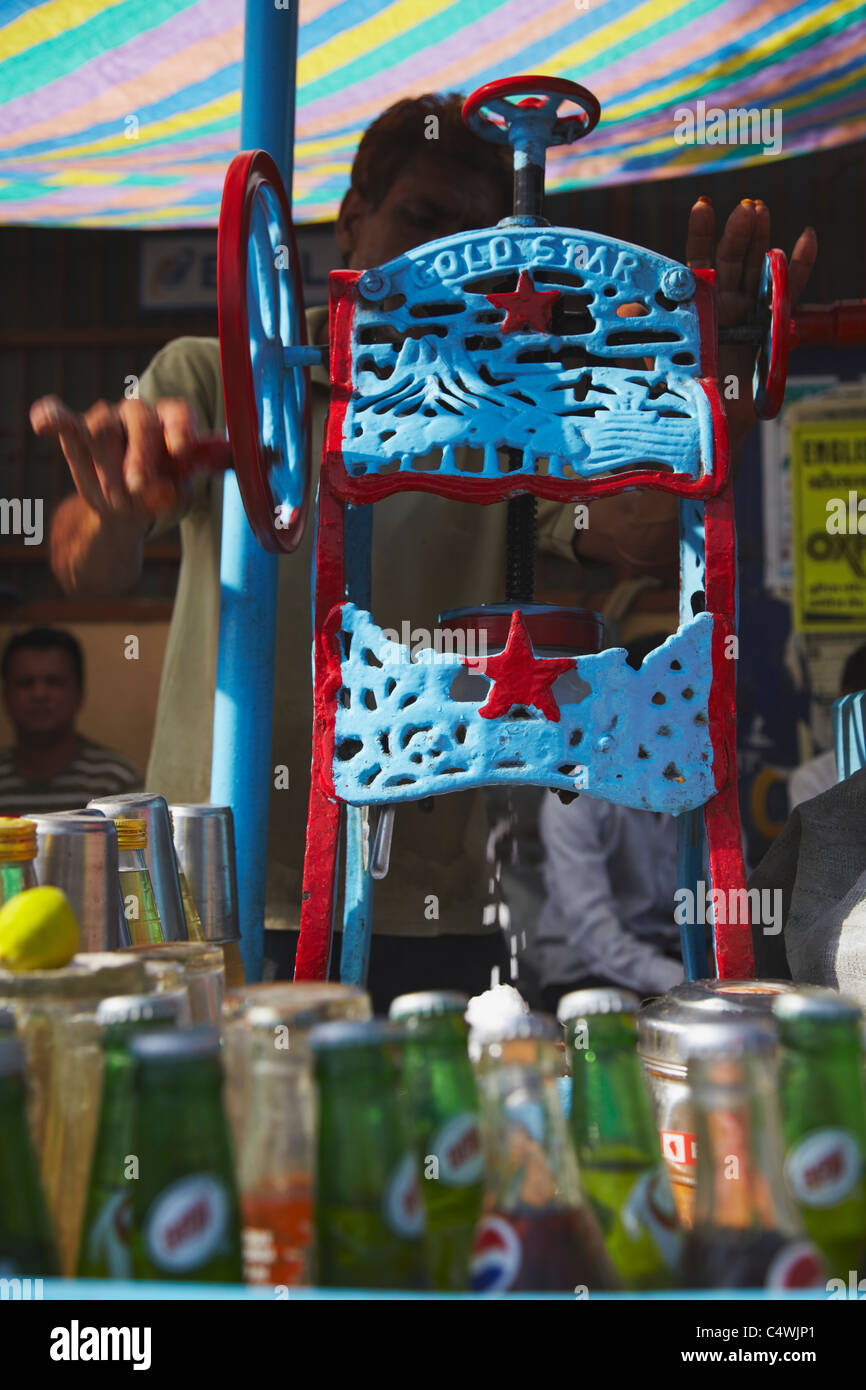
(95, 771)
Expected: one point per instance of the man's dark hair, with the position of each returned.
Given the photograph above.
(854, 671)
(43, 639)
(397, 136)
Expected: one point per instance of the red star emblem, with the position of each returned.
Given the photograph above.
(526, 306)
(519, 676)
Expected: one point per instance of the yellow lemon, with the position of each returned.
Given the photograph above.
(38, 930)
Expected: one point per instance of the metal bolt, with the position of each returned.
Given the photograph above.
(604, 743)
(373, 284)
(678, 283)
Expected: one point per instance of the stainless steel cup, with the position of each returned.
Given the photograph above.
(204, 837)
(159, 855)
(78, 853)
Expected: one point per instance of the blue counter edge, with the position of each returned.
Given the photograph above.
(123, 1291)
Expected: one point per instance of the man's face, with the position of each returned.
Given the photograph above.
(41, 693)
(433, 197)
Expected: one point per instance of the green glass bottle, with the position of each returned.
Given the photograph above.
(185, 1209)
(443, 1099)
(104, 1252)
(27, 1246)
(824, 1121)
(369, 1214)
(616, 1139)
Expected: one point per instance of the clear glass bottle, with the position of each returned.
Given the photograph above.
(136, 890)
(747, 1233)
(17, 856)
(537, 1233)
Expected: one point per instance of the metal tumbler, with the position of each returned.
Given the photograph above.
(204, 837)
(159, 854)
(78, 853)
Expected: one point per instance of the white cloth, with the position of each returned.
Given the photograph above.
(811, 779)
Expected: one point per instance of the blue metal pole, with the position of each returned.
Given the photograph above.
(241, 770)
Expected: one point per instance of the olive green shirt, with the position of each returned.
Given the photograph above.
(429, 554)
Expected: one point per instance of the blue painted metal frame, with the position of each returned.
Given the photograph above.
(243, 707)
(455, 378)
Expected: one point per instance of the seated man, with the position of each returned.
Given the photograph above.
(610, 873)
(51, 766)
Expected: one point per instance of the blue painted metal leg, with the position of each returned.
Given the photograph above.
(691, 875)
(358, 900)
(241, 764)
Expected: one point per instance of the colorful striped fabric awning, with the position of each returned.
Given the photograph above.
(125, 113)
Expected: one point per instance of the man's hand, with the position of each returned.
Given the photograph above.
(738, 263)
(120, 456)
(122, 459)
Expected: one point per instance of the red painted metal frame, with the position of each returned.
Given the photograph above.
(247, 173)
(734, 958)
(530, 86)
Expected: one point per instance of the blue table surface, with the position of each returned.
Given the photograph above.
(122, 1290)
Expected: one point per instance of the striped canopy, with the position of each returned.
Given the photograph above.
(125, 113)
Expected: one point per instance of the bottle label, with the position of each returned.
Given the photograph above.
(108, 1238)
(678, 1147)
(458, 1148)
(401, 1204)
(187, 1223)
(796, 1266)
(824, 1167)
(496, 1256)
(650, 1209)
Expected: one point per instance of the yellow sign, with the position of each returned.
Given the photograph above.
(828, 466)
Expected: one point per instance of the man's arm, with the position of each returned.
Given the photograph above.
(580, 930)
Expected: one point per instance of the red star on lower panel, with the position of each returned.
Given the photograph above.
(526, 306)
(520, 677)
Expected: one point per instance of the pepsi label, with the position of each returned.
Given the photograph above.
(496, 1256)
(187, 1223)
(824, 1167)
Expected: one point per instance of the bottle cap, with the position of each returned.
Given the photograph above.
(582, 1003)
(354, 1033)
(135, 1008)
(426, 1002)
(813, 1002)
(516, 1027)
(728, 1039)
(12, 1056)
(131, 834)
(175, 1045)
(17, 839)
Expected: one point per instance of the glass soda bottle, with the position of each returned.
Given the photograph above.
(273, 1153)
(136, 889)
(617, 1143)
(747, 1233)
(17, 855)
(104, 1251)
(443, 1100)
(824, 1121)
(369, 1214)
(185, 1213)
(27, 1246)
(537, 1233)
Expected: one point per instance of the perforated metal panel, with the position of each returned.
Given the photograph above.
(407, 728)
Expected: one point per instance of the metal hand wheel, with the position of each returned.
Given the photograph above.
(534, 119)
(774, 310)
(265, 359)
